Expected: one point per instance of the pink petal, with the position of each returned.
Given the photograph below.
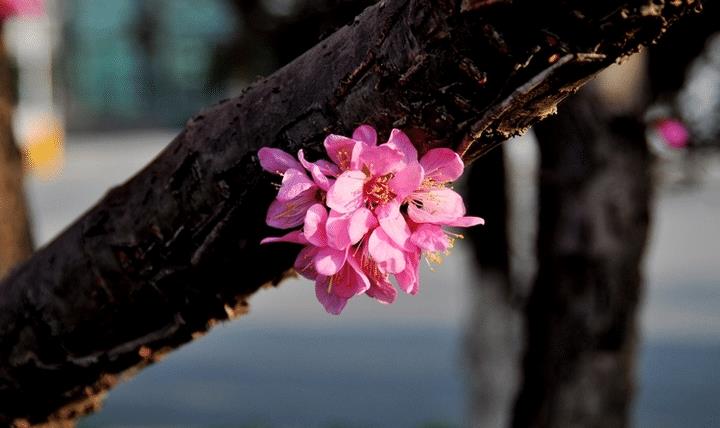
(430, 237)
(360, 223)
(393, 223)
(277, 161)
(366, 134)
(332, 303)
(344, 230)
(439, 206)
(294, 183)
(318, 177)
(289, 214)
(442, 165)
(328, 168)
(328, 261)
(382, 291)
(304, 263)
(294, 237)
(350, 281)
(340, 150)
(407, 180)
(409, 279)
(466, 222)
(314, 225)
(399, 141)
(388, 257)
(357, 153)
(346, 194)
(381, 160)
(337, 229)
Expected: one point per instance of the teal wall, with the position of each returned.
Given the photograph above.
(139, 63)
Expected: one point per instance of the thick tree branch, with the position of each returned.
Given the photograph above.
(175, 249)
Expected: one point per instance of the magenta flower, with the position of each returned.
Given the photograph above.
(673, 132)
(386, 209)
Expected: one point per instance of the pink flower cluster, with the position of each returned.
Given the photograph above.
(370, 213)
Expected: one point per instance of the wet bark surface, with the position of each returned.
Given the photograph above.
(595, 189)
(175, 249)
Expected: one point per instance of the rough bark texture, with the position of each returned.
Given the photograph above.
(595, 190)
(175, 249)
(15, 238)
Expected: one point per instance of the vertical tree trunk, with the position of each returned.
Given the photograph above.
(15, 239)
(494, 327)
(594, 215)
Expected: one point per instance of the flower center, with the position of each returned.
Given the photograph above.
(377, 191)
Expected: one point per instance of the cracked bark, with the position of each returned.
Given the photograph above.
(174, 250)
(15, 238)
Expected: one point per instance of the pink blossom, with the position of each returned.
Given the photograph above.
(673, 132)
(368, 214)
(10, 8)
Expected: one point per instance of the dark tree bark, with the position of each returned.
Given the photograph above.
(175, 249)
(595, 189)
(15, 238)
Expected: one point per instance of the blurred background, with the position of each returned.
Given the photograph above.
(96, 88)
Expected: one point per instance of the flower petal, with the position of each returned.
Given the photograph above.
(332, 303)
(393, 223)
(399, 141)
(340, 150)
(430, 237)
(360, 223)
(318, 177)
(383, 251)
(439, 206)
(366, 134)
(289, 214)
(383, 291)
(407, 180)
(337, 229)
(304, 263)
(350, 281)
(294, 237)
(277, 161)
(381, 160)
(442, 165)
(328, 168)
(409, 279)
(294, 183)
(328, 261)
(346, 194)
(344, 230)
(314, 225)
(466, 222)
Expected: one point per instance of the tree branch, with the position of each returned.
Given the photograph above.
(166, 255)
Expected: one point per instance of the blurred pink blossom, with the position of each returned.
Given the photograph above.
(10, 8)
(673, 132)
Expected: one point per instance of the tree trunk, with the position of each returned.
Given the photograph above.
(176, 249)
(492, 334)
(15, 238)
(595, 188)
